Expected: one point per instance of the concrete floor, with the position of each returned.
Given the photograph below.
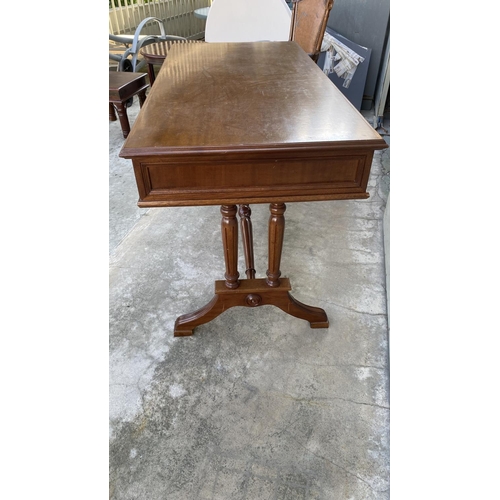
(255, 405)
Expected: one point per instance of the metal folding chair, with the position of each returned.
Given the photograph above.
(125, 50)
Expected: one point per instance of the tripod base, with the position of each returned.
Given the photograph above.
(250, 293)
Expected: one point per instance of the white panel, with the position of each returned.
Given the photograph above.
(248, 21)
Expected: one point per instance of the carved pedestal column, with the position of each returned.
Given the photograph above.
(250, 292)
(276, 233)
(229, 229)
(247, 236)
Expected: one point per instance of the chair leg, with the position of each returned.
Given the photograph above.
(112, 114)
(122, 115)
(142, 97)
(151, 74)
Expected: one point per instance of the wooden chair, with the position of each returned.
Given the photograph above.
(123, 86)
(308, 25)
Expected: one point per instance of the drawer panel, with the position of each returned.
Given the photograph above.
(218, 182)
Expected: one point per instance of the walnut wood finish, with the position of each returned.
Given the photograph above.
(239, 123)
(156, 53)
(123, 86)
(275, 242)
(247, 235)
(229, 229)
(112, 113)
(243, 123)
(250, 293)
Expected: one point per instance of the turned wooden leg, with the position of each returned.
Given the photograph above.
(247, 235)
(250, 292)
(122, 115)
(142, 97)
(112, 114)
(276, 233)
(229, 228)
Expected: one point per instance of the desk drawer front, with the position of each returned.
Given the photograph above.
(216, 182)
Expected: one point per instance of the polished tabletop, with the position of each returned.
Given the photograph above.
(218, 97)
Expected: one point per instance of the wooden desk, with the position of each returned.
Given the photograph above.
(239, 123)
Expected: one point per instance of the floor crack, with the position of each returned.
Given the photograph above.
(318, 401)
(332, 462)
(354, 310)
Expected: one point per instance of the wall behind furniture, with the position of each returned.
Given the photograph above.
(365, 22)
